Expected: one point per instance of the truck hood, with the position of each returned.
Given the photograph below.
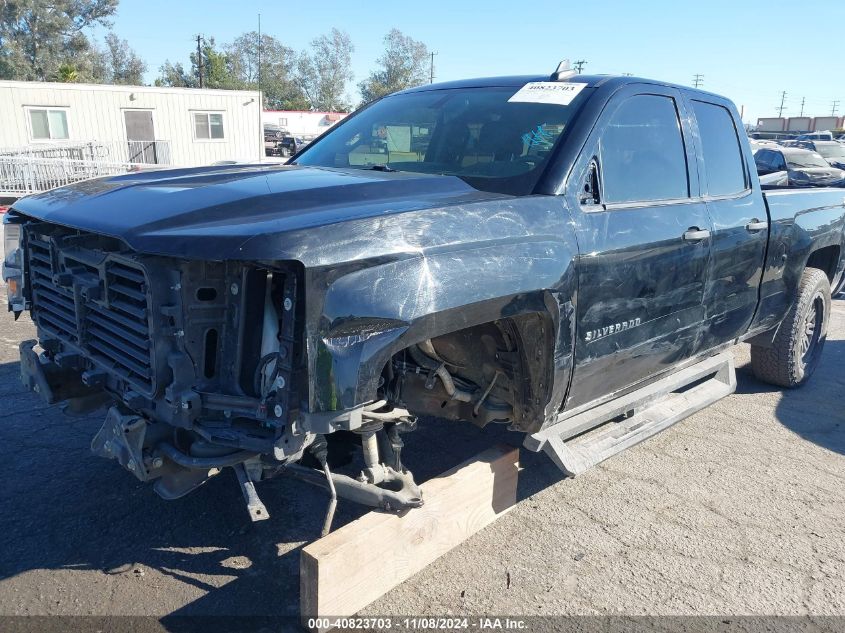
(816, 175)
(213, 212)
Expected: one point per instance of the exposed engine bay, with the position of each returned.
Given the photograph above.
(202, 367)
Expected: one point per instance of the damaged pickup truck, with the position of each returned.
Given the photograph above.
(571, 256)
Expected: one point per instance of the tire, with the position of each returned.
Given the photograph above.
(797, 346)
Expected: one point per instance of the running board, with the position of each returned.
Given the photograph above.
(581, 441)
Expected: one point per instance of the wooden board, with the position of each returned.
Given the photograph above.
(345, 571)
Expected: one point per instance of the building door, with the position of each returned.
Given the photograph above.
(140, 136)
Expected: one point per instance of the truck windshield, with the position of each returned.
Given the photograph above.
(805, 160)
(475, 134)
(831, 151)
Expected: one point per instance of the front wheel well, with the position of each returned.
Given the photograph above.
(500, 371)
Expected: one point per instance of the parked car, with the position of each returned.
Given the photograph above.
(568, 254)
(801, 167)
(292, 144)
(815, 136)
(273, 133)
(832, 151)
(287, 145)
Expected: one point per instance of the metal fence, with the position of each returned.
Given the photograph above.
(23, 175)
(36, 168)
(131, 152)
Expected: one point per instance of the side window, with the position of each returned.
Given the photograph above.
(720, 146)
(779, 162)
(208, 126)
(760, 159)
(48, 124)
(642, 152)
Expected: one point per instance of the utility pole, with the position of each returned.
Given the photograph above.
(833, 107)
(579, 65)
(697, 80)
(802, 107)
(199, 59)
(781, 108)
(431, 73)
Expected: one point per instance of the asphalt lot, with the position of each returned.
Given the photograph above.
(736, 510)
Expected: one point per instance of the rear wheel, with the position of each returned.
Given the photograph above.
(797, 347)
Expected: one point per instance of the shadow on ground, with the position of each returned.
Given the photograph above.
(815, 410)
(63, 508)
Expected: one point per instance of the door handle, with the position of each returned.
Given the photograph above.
(694, 234)
(754, 225)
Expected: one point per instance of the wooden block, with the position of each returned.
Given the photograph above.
(345, 571)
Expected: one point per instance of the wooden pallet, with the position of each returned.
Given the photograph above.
(345, 571)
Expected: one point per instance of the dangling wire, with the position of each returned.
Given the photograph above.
(259, 376)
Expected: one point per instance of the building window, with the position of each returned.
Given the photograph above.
(283, 122)
(208, 125)
(48, 125)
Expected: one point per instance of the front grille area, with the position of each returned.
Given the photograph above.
(92, 301)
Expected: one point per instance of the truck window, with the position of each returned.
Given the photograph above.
(720, 146)
(642, 152)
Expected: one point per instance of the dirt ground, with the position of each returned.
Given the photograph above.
(736, 510)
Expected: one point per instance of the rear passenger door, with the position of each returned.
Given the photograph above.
(644, 240)
(740, 222)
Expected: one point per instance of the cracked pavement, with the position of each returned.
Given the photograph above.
(736, 510)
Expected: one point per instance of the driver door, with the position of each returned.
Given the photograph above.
(643, 234)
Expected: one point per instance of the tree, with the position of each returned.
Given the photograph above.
(68, 74)
(324, 73)
(215, 67)
(215, 70)
(404, 64)
(175, 75)
(280, 88)
(118, 63)
(38, 37)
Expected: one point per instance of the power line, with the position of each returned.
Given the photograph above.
(697, 80)
(431, 75)
(781, 108)
(579, 65)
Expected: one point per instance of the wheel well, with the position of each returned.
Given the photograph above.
(506, 366)
(825, 259)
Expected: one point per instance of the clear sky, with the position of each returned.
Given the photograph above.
(743, 49)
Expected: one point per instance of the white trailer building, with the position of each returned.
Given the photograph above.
(137, 124)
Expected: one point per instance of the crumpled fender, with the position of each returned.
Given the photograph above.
(372, 312)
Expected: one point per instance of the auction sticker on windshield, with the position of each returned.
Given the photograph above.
(548, 92)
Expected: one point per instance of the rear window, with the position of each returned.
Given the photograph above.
(723, 163)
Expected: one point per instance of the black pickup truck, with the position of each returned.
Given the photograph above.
(569, 255)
